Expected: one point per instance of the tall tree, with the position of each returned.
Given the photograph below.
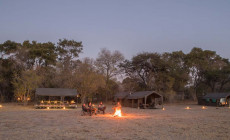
(107, 63)
(88, 80)
(202, 64)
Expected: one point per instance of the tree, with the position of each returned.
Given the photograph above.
(69, 49)
(107, 63)
(177, 70)
(25, 83)
(203, 66)
(88, 81)
(8, 47)
(144, 68)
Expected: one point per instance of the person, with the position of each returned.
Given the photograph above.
(89, 104)
(84, 108)
(92, 109)
(117, 106)
(101, 107)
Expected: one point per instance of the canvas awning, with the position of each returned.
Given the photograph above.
(143, 94)
(216, 95)
(56, 92)
(121, 95)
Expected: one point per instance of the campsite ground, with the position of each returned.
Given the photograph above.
(18, 122)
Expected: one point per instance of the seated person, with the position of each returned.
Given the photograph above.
(101, 107)
(91, 107)
(84, 108)
(141, 105)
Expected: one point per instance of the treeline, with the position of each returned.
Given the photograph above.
(28, 65)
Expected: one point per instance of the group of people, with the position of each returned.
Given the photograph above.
(92, 108)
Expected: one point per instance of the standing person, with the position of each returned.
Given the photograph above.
(117, 106)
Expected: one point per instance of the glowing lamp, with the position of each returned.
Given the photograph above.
(48, 107)
(187, 107)
(163, 108)
(0, 106)
(203, 107)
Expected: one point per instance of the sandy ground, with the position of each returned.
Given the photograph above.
(27, 123)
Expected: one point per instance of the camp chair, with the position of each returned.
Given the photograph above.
(152, 106)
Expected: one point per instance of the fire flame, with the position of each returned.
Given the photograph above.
(117, 112)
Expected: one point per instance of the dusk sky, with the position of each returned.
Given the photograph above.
(130, 26)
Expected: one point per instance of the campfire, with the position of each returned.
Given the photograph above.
(117, 112)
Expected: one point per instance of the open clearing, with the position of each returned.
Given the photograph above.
(18, 122)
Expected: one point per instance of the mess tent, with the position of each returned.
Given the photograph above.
(215, 99)
(141, 99)
(55, 98)
(121, 97)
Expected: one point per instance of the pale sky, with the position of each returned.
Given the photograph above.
(130, 26)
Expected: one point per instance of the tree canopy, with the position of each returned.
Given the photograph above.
(31, 64)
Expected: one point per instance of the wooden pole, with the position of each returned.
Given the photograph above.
(132, 102)
(138, 103)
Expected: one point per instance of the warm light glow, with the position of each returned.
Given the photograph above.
(48, 102)
(42, 101)
(187, 107)
(0, 106)
(163, 108)
(63, 107)
(72, 102)
(55, 102)
(48, 107)
(203, 107)
(117, 112)
(18, 99)
(28, 98)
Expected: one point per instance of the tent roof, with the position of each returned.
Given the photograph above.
(121, 95)
(142, 94)
(56, 92)
(216, 95)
